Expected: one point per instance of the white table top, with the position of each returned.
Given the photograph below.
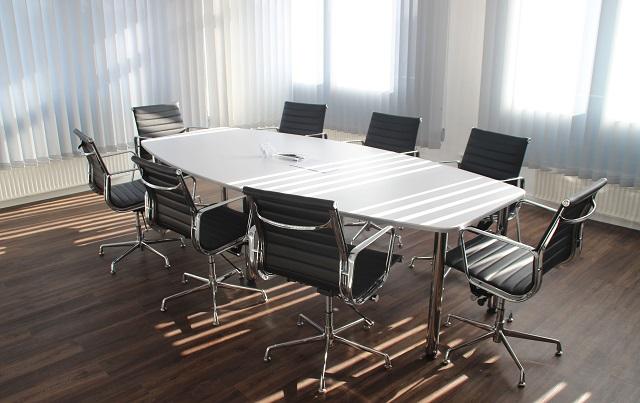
(365, 182)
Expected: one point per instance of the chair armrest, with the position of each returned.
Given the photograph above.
(195, 228)
(415, 153)
(118, 153)
(519, 181)
(354, 141)
(347, 270)
(322, 135)
(126, 171)
(217, 205)
(367, 242)
(536, 269)
(194, 128)
(536, 204)
(457, 162)
(500, 238)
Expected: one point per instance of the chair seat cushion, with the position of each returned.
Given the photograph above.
(324, 275)
(221, 226)
(128, 196)
(501, 265)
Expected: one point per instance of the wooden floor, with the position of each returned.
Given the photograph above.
(70, 331)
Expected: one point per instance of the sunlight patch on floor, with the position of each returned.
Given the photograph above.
(445, 389)
(491, 360)
(413, 385)
(388, 343)
(551, 393)
(225, 326)
(213, 342)
(229, 314)
(583, 398)
(400, 322)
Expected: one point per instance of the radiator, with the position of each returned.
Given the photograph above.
(56, 178)
(616, 204)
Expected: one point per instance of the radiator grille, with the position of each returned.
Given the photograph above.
(31, 183)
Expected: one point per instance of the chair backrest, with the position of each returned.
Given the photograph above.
(301, 238)
(158, 120)
(168, 202)
(392, 133)
(97, 168)
(299, 118)
(497, 156)
(564, 234)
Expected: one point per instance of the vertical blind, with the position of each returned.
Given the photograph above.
(565, 73)
(85, 63)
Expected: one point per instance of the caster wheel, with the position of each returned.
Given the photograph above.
(167, 266)
(300, 323)
(522, 384)
(163, 309)
(446, 362)
(558, 353)
(388, 366)
(100, 253)
(448, 324)
(267, 359)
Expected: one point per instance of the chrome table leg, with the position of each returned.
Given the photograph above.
(435, 300)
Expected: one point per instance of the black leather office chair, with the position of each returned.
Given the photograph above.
(123, 197)
(497, 156)
(159, 120)
(213, 230)
(301, 239)
(303, 119)
(391, 133)
(156, 121)
(511, 271)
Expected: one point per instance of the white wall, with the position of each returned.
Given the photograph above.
(462, 87)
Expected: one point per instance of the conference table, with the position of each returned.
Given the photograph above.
(366, 183)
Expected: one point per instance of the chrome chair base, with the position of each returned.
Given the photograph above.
(329, 335)
(366, 226)
(413, 260)
(212, 283)
(499, 334)
(140, 243)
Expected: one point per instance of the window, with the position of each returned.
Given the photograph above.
(362, 38)
(360, 43)
(549, 55)
(624, 78)
(307, 41)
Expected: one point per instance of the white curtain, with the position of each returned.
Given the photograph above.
(360, 56)
(85, 63)
(565, 73)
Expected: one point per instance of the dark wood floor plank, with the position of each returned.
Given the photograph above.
(70, 331)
